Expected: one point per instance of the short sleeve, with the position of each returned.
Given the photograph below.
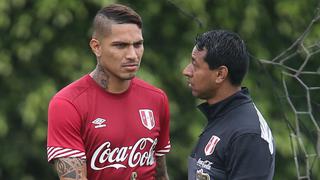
(64, 126)
(250, 158)
(163, 145)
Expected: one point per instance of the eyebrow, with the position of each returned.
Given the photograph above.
(128, 43)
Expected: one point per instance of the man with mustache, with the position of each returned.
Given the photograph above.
(110, 124)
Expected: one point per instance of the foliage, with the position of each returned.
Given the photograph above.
(44, 46)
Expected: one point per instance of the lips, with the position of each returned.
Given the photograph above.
(189, 84)
(131, 66)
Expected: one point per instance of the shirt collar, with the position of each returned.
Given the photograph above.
(212, 111)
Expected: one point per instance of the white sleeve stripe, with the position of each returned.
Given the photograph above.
(265, 131)
(73, 155)
(57, 155)
(168, 146)
(53, 151)
(60, 152)
(68, 153)
(49, 148)
(158, 154)
(82, 155)
(163, 151)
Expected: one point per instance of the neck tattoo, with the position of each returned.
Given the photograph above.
(101, 77)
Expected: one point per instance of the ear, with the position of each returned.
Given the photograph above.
(221, 74)
(95, 47)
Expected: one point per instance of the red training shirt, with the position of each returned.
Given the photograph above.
(117, 134)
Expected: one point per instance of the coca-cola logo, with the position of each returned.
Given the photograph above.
(139, 154)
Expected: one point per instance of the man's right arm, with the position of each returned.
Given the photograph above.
(71, 168)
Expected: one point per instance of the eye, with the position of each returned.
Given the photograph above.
(138, 44)
(120, 45)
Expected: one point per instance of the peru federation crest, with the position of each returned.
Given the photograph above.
(147, 118)
(208, 150)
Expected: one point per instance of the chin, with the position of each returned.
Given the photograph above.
(200, 96)
(129, 77)
(195, 94)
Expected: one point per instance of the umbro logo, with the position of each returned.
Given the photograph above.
(99, 123)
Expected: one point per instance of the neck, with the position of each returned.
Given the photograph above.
(107, 82)
(224, 91)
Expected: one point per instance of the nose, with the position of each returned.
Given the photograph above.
(187, 71)
(132, 53)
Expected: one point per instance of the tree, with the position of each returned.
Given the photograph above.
(44, 46)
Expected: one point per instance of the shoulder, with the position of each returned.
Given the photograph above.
(73, 90)
(244, 119)
(147, 88)
(248, 122)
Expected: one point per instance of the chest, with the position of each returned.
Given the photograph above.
(120, 121)
(212, 146)
(210, 149)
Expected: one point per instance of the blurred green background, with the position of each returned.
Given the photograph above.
(44, 46)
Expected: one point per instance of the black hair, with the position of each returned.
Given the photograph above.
(225, 48)
(115, 13)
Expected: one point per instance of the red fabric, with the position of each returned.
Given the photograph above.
(107, 129)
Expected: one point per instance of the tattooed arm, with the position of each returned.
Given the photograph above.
(161, 168)
(71, 168)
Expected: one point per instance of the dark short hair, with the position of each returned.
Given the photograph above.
(225, 48)
(116, 14)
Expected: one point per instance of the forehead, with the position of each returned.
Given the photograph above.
(197, 54)
(125, 32)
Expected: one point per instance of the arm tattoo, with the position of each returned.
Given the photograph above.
(71, 168)
(161, 168)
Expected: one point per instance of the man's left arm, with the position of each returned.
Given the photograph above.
(163, 145)
(250, 157)
(161, 168)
